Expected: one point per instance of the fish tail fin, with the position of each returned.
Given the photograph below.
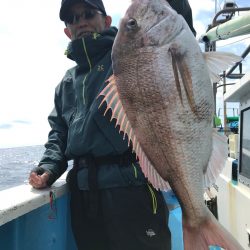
(209, 234)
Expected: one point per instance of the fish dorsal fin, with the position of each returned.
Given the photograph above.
(111, 97)
(217, 62)
(217, 159)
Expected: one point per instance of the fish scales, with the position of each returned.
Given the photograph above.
(166, 97)
(154, 99)
(164, 126)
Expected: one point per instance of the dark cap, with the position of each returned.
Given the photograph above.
(66, 4)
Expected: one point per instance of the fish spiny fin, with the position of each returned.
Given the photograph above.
(217, 62)
(111, 97)
(217, 160)
(186, 79)
(149, 171)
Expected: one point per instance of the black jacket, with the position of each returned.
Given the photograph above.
(182, 7)
(78, 126)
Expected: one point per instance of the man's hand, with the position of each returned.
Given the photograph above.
(38, 181)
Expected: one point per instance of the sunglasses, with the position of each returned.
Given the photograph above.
(87, 14)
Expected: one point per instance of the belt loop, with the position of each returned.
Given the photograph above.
(93, 187)
(92, 173)
(72, 176)
(76, 163)
(125, 158)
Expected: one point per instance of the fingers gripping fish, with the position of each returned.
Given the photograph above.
(161, 97)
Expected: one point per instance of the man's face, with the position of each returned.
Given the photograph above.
(87, 20)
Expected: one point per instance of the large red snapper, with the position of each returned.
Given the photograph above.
(162, 98)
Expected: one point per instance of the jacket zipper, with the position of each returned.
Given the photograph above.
(90, 68)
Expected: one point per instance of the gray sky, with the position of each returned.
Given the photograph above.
(32, 62)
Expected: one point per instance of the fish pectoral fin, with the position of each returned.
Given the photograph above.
(113, 101)
(180, 67)
(217, 62)
(176, 75)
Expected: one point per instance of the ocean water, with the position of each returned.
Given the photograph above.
(16, 164)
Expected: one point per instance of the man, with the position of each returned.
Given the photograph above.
(113, 207)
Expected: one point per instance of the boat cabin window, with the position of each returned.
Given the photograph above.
(244, 169)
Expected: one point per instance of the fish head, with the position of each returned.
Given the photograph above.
(147, 23)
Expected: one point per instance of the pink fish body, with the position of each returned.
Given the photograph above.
(162, 98)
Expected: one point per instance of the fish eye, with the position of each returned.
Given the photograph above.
(132, 23)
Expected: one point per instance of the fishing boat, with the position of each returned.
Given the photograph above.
(33, 219)
(40, 219)
(229, 198)
(233, 184)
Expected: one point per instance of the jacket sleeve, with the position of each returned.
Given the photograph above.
(54, 160)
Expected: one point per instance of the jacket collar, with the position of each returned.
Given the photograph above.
(87, 51)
